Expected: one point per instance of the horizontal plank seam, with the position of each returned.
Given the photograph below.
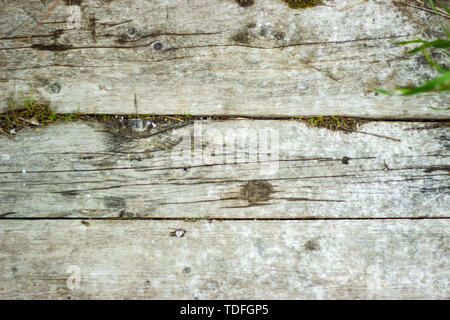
(187, 219)
(203, 117)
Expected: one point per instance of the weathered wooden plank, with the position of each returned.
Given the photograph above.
(215, 57)
(225, 260)
(274, 169)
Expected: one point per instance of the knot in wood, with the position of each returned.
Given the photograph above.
(256, 191)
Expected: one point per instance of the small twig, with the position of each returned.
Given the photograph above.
(33, 121)
(136, 105)
(425, 9)
(372, 134)
(437, 8)
(43, 18)
(173, 118)
(375, 135)
(353, 5)
(7, 214)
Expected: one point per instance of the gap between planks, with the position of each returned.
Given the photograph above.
(219, 219)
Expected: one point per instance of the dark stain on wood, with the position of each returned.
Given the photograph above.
(127, 214)
(256, 191)
(245, 3)
(312, 245)
(123, 38)
(40, 82)
(52, 47)
(70, 193)
(242, 37)
(122, 132)
(187, 270)
(57, 33)
(279, 35)
(437, 190)
(73, 2)
(92, 27)
(86, 158)
(437, 168)
(114, 203)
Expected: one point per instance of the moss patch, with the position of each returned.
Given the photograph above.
(301, 4)
(245, 3)
(29, 113)
(334, 123)
(33, 113)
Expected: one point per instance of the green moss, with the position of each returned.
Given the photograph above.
(27, 113)
(301, 4)
(33, 113)
(344, 124)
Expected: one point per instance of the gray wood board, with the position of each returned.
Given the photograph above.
(225, 260)
(225, 169)
(207, 57)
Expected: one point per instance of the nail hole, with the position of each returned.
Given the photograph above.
(178, 233)
(131, 31)
(157, 46)
(55, 87)
(186, 270)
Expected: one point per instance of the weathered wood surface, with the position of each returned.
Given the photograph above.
(225, 260)
(215, 57)
(130, 169)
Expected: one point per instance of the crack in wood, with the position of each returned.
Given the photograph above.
(224, 219)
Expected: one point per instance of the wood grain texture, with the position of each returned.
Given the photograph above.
(226, 260)
(215, 57)
(199, 170)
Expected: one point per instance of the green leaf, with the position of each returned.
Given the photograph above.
(440, 83)
(407, 42)
(386, 92)
(337, 120)
(439, 68)
(440, 43)
(439, 109)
